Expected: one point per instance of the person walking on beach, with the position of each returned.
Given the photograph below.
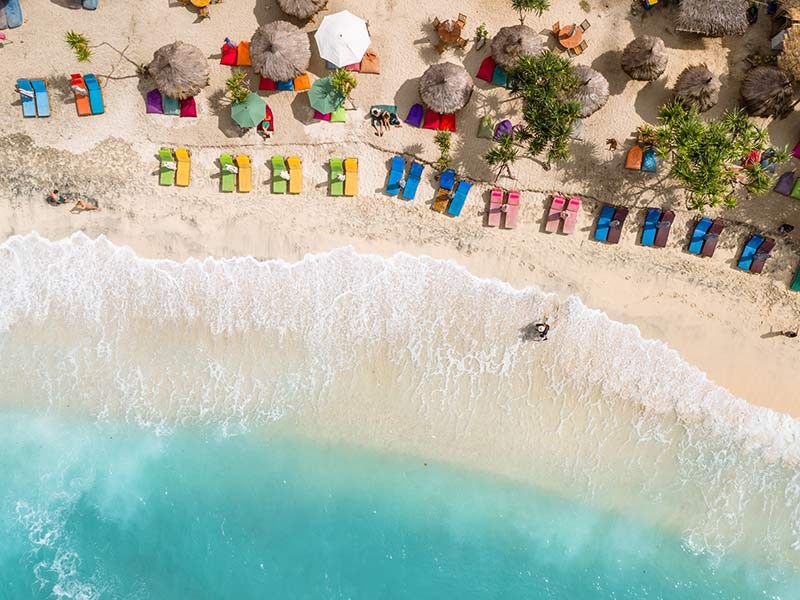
(542, 330)
(791, 333)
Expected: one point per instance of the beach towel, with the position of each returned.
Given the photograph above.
(554, 213)
(396, 170)
(245, 175)
(761, 255)
(41, 97)
(188, 108)
(615, 226)
(302, 83)
(601, 229)
(171, 106)
(571, 222)
(337, 177)
(295, 174)
(663, 227)
(284, 86)
(229, 55)
(351, 176)
(415, 114)
(499, 76)
(243, 54)
(81, 94)
(318, 115)
(486, 70)
(711, 238)
(457, 203)
(26, 97)
(512, 210)
(153, 103)
(266, 85)
(227, 176)
(699, 235)
(166, 173)
(634, 158)
(649, 163)
(447, 122)
(749, 252)
(495, 207)
(785, 183)
(649, 230)
(278, 180)
(370, 63)
(268, 124)
(414, 175)
(431, 120)
(486, 127)
(95, 94)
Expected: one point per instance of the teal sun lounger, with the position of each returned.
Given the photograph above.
(414, 175)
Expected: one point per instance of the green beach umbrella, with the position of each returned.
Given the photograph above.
(323, 97)
(250, 112)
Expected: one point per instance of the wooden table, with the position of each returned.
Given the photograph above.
(449, 32)
(570, 36)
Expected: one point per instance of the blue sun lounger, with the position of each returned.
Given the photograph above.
(42, 99)
(699, 235)
(26, 96)
(650, 228)
(414, 175)
(457, 203)
(749, 252)
(396, 171)
(603, 221)
(95, 94)
(447, 179)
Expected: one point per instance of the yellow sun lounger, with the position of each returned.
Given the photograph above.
(295, 174)
(184, 171)
(245, 175)
(350, 176)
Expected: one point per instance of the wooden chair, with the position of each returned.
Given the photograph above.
(436, 22)
(462, 20)
(556, 27)
(462, 42)
(577, 50)
(440, 47)
(581, 47)
(585, 25)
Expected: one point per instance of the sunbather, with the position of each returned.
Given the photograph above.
(81, 206)
(56, 198)
(542, 329)
(791, 333)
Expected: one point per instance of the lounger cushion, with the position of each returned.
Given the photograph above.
(322, 117)
(785, 183)
(229, 55)
(499, 76)
(447, 123)
(285, 86)
(267, 85)
(188, 107)
(243, 54)
(431, 120)
(415, 114)
(153, 103)
(370, 63)
(171, 106)
(486, 70)
(302, 83)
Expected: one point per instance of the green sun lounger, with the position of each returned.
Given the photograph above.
(337, 177)
(278, 182)
(166, 175)
(227, 176)
(796, 282)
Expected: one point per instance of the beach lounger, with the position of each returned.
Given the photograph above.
(184, 172)
(711, 238)
(634, 158)
(171, 106)
(699, 235)
(396, 171)
(244, 177)
(351, 176)
(337, 177)
(649, 162)
(486, 128)
(601, 229)
(649, 230)
(431, 120)
(243, 54)
(795, 193)
(278, 169)
(81, 94)
(571, 222)
(89, 4)
(762, 254)
(749, 252)
(322, 117)
(26, 95)
(339, 115)
(457, 203)
(13, 13)
(785, 183)
(495, 207)
(554, 214)
(447, 122)
(227, 175)
(499, 76)
(265, 84)
(512, 210)
(663, 227)
(446, 182)
(95, 94)
(415, 114)
(295, 174)
(796, 282)
(302, 83)
(188, 108)
(153, 103)
(228, 55)
(486, 70)
(166, 173)
(284, 86)
(41, 97)
(615, 226)
(414, 175)
(370, 63)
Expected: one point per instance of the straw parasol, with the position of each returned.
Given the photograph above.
(512, 42)
(445, 87)
(715, 18)
(789, 58)
(301, 9)
(698, 86)
(179, 70)
(645, 58)
(280, 51)
(767, 92)
(592, 92)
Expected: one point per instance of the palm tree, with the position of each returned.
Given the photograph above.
(79, 44)
(442, 141)
(502, 155)
(523, 7)
(344, 82)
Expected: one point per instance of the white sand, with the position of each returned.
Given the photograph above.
(717, 317)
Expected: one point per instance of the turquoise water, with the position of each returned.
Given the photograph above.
(111, 511)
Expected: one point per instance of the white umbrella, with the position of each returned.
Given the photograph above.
(342, 38)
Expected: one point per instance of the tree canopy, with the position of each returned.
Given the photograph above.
(711, 159)
(523, 7)
(502, 155)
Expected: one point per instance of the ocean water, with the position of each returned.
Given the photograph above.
(356, 427)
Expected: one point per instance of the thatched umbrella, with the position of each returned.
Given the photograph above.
(512, 42)
(280, 51)
(715, 18)
(445, 87)
(179, 70)
(767, 92)
(301, 9)
(789, 58)
(645, 58)
(698, 86)
(592, 92)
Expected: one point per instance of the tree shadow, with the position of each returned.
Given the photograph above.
(220, 106)
(653, 95)
(608, 64)
(267, 11)
(406, 96)
(72, 4)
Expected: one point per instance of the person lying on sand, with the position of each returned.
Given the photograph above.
(81, 206)
(55, 198)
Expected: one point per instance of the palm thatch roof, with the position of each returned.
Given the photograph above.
(280, 51)
(592, 92)
(714, 18)
(697, 86)
(179, 70)
(301, 9)
(512, 42)
(767, 92)
(445, 87)
(789, 58)
(645, 58)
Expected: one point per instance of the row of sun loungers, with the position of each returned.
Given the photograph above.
(344, 177)
(35, 99)
(450, 197)
(175, 167)
(561, 210)
(496, 209)
(397, 181)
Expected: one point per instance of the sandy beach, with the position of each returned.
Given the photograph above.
(721, 319)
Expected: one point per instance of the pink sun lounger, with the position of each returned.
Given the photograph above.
(554, 216)
(512, 210)
(495, 207)
(571, 221)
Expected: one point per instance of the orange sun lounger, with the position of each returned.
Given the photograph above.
(81, 98)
